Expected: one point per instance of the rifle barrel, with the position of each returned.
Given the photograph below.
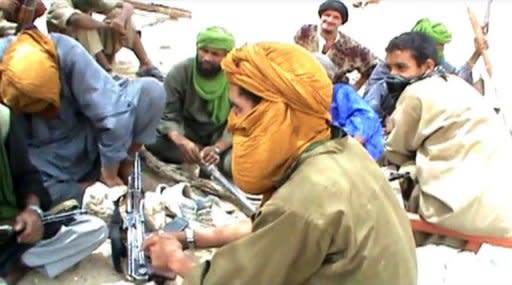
(232, 188)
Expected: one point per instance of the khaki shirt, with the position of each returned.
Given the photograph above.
(461, 149)
(335, 221)
(61, 10)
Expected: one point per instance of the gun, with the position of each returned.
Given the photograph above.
(138, 263)
(8, 230)
(247, 207)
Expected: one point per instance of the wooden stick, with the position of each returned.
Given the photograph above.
(480, 37)
(172, 12)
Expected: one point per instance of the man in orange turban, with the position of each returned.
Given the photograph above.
(323, 220)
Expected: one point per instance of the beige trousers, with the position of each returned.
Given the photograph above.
(107, 40)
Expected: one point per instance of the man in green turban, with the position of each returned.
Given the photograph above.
(193, 127)
(438, 31)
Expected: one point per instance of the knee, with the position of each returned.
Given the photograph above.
(97, 229)
(153, 91)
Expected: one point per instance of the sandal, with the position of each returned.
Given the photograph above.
(150, 72)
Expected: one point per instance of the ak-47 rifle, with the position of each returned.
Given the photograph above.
(138, 263)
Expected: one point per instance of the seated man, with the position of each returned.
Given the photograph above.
(9, 12)
(193, 127)
(351, 113)
(101, 39)
(80, 125)
(443, 131)
(22, 201)
(377, 92)
(346, 53)
(329, 215)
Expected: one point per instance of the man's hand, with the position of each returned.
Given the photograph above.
(188, 148)
(109, 176)
(9, 5)
(481, 45)
(360, 139)
(117, 25)
(30, 226)
(390, 125)
(166, 254)
(210, 155)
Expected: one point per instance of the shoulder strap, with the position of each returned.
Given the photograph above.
(5, 122)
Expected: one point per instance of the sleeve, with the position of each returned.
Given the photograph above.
(106, 6)
(365, 60)
(59, 13)
(363, 121)
(465, 73)
(97, 96)
(376, 88)
(172, 118)
(406, 135)
(26, 177)
(374, 95)
(306, 37)
(270, 255)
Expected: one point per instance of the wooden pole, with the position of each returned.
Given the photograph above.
(173, 13)
(480, 38)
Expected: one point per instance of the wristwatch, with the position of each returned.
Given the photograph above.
(38, 210)
(190, 238)
(217, 150)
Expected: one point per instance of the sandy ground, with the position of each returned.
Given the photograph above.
(168, 42)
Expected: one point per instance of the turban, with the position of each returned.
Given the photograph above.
(216, 37)
(293, 113)
(29, 75)
(214, 90)
(438, 31)
(335, 5)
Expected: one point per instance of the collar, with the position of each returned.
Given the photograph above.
(321, 40)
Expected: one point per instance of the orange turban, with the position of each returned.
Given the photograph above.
(29, 75)
(294, 111)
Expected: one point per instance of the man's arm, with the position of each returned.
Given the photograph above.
(64, 16)
(254, 257)
(225, 141)
(218, 237)
(405, 137)
(126, 12)
(172, 122)
(98, 98)
(307, 37)
(362, 121)
(27, 180)
(376, 89)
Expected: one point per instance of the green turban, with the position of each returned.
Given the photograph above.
(438, 31)
(216, 37)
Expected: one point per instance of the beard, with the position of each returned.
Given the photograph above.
(207, 69)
